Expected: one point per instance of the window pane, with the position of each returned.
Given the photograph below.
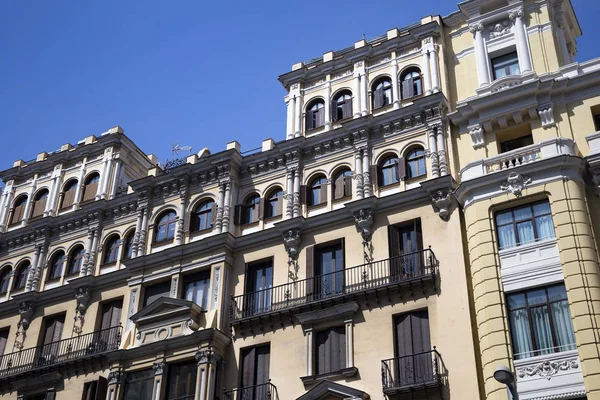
(545, 227)
(506, 236)
(563, 328)
(514, 69)
(541, 329)
(499, 72)
(503, 218)
(541, 208)
(557, 293)
(516, 301)
(525, 231)
(522, 213)
(171, 232)
(520, 335)
(160, 233)
(536, 296)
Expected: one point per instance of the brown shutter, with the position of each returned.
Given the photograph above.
(401, 168)
(187, 222)
(303, 194)
(323, 194)
(347, 108)
(89, 192)
(279, 206)
(348, 186)
(263, 357)
(248, 363)
(333, 110)
(238, 211)
(115, 319)
(68, 198)
(310, 268)
(213, 214)
(3, 340)
(374, 169)
(338, 192)
(101, 389)
(308, 120)
(378, 98)
(394, 241)
(260, 212)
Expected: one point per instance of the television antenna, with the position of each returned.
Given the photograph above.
(177, 148)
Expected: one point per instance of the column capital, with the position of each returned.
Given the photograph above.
(159, 367)
(514, 14)
(207, 356)
(115, 377)
(476, 27)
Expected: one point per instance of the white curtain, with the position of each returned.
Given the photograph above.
(525, 230)
(506, 236)
(521, 337)
(541, 329)
(544, 226)
(561, 316)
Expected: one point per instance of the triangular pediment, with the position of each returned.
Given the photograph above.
(167, 305)
(327, 390)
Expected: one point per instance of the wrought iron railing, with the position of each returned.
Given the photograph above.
(265, 391)
(419, 369)
(62, 351)
(373, 275)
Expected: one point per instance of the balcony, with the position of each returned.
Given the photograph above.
(415, 372)
(518, 157)
(62, 352)
(407, 270)
(265, 391)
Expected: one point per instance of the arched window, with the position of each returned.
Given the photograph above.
(4, 279)
(415, 163)
(165, 227)
(251, 209)
(411, 83)
(203, 216)
(39, 203)
(388, 171)
(274, 204)
(342, 185)
(68, 197)
(318, 191)
(342, 106)
(21, 275)
(111, 250)
(90, 187)
(315, 114)
(76, 258)
(18, 210)
(382, 93)
(129, 245)
(56, 266)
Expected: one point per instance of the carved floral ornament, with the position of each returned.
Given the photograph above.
(548, 368)
(515, 183)
(292, 239)
(442, 201)
(364, 222)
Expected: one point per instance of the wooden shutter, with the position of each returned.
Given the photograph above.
(263, 357)
(213, 214)
(407, 88)
(278, 206)
(58, 328)
(303, 195)
(338, 348)
(3, 340)
(259, 210)
(323, 193)
(401, 168)
(321, 116)
(101, 388)
(18, 213)
(89, 390)
(374, 175)
(378, 98)
(38, 207)
(154, 292)
(394, 238)
(238, 212)
(248, 363)
(322, 352)
(338, 188)
(115, 317)
(68, 197)
(348, 186)
(347, 108)
(333, 110)
(308, 120)
(89, 191)
(310, 268)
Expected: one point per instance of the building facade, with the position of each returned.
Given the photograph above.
(430, 215)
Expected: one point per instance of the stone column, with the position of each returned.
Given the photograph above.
(94, 250)
(115, 180)
(136, 234)
(366, 173)
(435, 78)
(226, 207)
(56, 182)
(29, 200)
(141, 247)
(395, 91)
(483, 73)
(34, 263)
(106, 178)
(103, 179)
(159, 374)
(289, 198)
(349, 343)
(426, 72)
(358, 167)
(79, 185)
(3, 198)
(298, 126)
(441, 148)
(309, 351)
(180, 220)
(296, 205)
(521, 39)
(433, 152)
(37, 269)
(356, 95)
(7, 195)
(328, 105)
(114, 382)
(205, 378)
(290, 103)
(219, 218)
(88, 251)
(560, 34)
(364, 93)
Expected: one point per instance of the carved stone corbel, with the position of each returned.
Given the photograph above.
(363, 219)
(442, 201)
(115, 377)
(82, 295)
(292, 239)
(25, 314)
(206, 356)
(159, 367)
(515, 183)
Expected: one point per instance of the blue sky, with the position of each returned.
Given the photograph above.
(195, 72)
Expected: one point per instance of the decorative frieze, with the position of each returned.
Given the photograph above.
(548, 368)
(499, 29)
(515, 183)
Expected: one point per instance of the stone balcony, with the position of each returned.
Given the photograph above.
(516, 158)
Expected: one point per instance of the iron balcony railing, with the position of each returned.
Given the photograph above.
(265, 391)
(62, 351)
(412, 371)
(396, 270)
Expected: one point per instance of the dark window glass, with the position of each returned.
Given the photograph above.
(76, 259)
(331, 350)
(111, 251)
(274, 204)
(329, 270)
(129, 245)
(181, 381)
(154, 292)
(165, 228)
(406, 243)
(540, 321)
(415, 163)
(4, 279)
(251, 209)
(514, 144)
(139, 385)
(382, 93)
(3, 339)
(95, 390)
(388, 171)
(343, 106)
(506, 65)
(411, 84)
(315, 115)
(50, 338)
(597, 122)
(21, 275)
(524, 224)
(318, 191)
(195, 288)
(203, 216)
(259, 283)
(56, 266)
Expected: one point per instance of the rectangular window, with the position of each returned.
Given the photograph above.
(514, 144)
(154, 292)
(505, 65)
(95, 390)
(259, 283)
(597, 122)
(330, 350)
(525, 224)
(540, 321)
(406, 245)
(195, 288)
(51, 335)
(3, 339)
(139, 385)
(255, 373)
(414, 359)
(329, 270)
(182, 381)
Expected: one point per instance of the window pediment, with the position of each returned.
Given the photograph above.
(327, 390)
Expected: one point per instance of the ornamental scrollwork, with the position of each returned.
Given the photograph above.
(515, 183)
(548, 368)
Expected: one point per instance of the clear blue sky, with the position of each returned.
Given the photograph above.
(195, 72)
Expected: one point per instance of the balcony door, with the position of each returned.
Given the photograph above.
(413, 349)
(255, 373)
(406, 245)
(329, 270)
(51, 336)
(109, 323)
(259, 284)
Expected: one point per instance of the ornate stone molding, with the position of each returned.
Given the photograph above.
(547, 116)
(205, 356)
(476, 133)
(514, 14)
(515, 183)
(159, 367)
(364, 222)
(115, 377)
(476, 27)
(442, 201)
(548, 368)
(499, 29)
(25, 314)
(82, 295)
(292, 239)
